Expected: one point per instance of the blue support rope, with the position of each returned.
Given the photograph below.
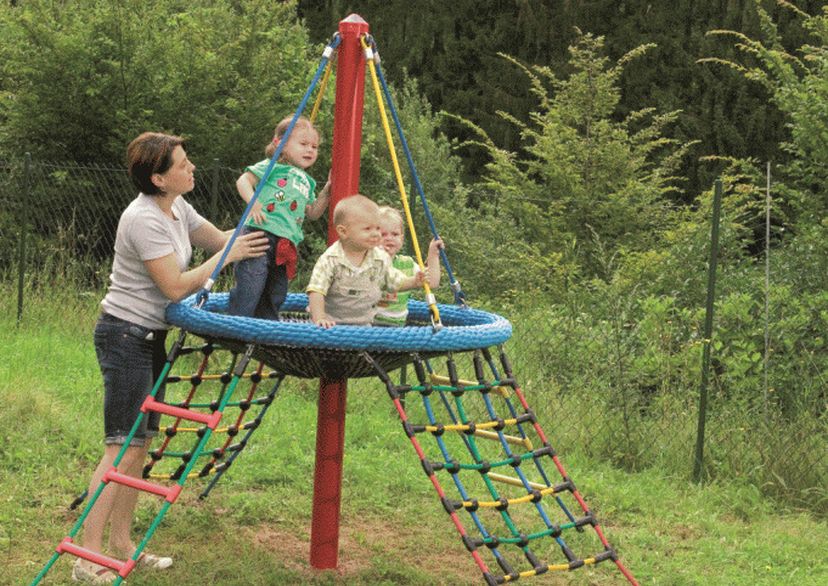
(459, 296)
(202, 295)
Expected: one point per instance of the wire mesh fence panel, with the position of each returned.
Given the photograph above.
(10, 203)
(610, 378)
(613, 391)
(69, 213)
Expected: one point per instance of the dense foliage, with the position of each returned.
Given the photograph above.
(79, 79)
(452, 48)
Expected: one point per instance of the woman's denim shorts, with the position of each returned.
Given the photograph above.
(131, 358)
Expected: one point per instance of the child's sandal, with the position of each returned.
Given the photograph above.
(154, 562)
(81, 573)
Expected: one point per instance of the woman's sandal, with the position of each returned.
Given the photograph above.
(81, 573)
(154, 562)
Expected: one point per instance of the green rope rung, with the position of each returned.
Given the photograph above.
(532, 536)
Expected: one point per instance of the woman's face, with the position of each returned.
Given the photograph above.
(179, 178)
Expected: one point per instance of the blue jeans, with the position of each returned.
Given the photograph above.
(131, 358)
(261, 286)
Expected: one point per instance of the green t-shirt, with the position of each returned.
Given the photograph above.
(286, 193)
(392, 310)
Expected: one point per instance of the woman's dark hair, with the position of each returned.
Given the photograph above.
(150, 153)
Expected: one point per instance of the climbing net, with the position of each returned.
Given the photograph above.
(490, 447)
(205, 375)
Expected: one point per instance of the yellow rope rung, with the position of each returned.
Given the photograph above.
(178, 378)
(164, 428)
(514, 481)
(168, 476)
(461, 427)
(548, 568)
(438, 379)
(524, 442)
(516, 501)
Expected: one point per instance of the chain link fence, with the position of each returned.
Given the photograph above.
(608, 378)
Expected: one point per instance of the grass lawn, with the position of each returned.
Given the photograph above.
(255, 527)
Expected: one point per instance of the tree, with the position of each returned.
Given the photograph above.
(581, 177)
(452, 49)
(798, 85)
(82, 78)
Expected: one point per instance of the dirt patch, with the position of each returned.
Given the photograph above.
(365, 541)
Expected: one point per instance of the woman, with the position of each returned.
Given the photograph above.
(153, 248)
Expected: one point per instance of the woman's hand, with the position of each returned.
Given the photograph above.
(248, 246)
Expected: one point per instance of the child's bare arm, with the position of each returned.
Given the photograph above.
(246, 185)
(316, 304)
(414, 282)
(433, 262)
(317, 208)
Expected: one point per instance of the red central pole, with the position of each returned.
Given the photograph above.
(330, 419)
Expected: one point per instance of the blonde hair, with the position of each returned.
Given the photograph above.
(281, 128)
(351, 205)
(391, 214)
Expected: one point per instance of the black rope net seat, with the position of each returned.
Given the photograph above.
(297, 347)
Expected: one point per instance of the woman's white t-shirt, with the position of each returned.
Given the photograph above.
(146, 233)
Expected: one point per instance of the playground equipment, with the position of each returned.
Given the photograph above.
(482, 413)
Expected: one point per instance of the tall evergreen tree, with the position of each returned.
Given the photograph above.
(581, 180)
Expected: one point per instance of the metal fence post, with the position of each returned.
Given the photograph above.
(24, 220)
(766, 357)
(214, 191)
(708, 328)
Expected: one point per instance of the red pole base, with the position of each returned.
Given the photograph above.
(327, 478)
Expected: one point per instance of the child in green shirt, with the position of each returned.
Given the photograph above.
(393, 307)
(279, 212)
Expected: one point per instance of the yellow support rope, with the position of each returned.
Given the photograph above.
(432, 303)
(321, 93)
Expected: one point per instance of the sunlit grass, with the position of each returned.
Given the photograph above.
(255, 527)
